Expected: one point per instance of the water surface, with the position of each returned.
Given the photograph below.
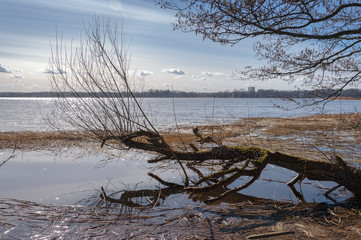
(31, 114)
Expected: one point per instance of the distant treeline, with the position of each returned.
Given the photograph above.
(261, 93)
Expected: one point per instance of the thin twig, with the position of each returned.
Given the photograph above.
(11, 156)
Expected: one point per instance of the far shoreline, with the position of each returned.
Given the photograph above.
(348, 94)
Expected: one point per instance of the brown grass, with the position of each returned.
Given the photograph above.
(312, 137)
(300, 136)
(40, 140)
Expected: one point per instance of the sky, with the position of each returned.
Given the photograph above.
(166, 59)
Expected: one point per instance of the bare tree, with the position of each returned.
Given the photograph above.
(316, 41)
(95, 84)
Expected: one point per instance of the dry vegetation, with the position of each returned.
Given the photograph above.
(244, 220)
(315, 136)
(41, 140)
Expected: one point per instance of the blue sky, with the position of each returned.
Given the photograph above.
(167, 59)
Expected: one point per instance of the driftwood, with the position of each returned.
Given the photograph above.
(237, 161)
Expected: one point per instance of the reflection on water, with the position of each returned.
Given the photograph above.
(65, 177)
(59, 194)
(31, 114)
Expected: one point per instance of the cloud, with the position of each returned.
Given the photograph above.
(6, 69)
(201, 78)
(175, 71)
(145, 73)
(240, 77)
(144, 12)
(213, 74)
(51, 71)
(116, 5)
(16, 76)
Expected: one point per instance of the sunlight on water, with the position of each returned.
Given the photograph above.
(31, 114)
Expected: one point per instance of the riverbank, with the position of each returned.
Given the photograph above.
(311, 136)
(314, 137)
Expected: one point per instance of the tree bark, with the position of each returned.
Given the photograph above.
(336, 171)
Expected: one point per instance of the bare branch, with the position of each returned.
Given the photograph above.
(315, 41)
(10, 157)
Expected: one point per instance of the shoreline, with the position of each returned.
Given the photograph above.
(299, 135)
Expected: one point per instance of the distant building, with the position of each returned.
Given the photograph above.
(251, 89)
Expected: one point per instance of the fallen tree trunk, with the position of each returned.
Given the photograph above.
(336, 170)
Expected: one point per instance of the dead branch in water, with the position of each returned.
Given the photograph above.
(238, 161)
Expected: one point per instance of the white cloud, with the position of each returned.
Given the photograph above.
(6, 69)
(200, 78)
(239, 77)
(145, 13)
(145, 73)
(116, 5)
(213, 74)
(175, 71)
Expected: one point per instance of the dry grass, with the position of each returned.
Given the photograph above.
(299, 136)
(313, 137)
(41, 140)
